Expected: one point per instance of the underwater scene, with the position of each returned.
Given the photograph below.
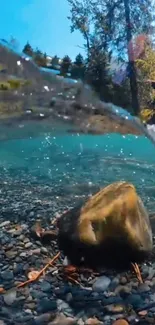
(77, 162)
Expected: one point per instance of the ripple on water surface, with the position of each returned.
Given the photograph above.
(81, 162)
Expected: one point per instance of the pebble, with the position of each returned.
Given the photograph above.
(44, 250)
(93, 321)
(10, 297)
(38, 303)
(135, 300)
(120, 322)
(46, 305)
(11, 254)
(7, 275)
(151, 273)
(101, 284)
(123, 280)
(36, 251)
(4, 223)
(143, 287)
(69, 297)
(44, 318)
(45, 286)
(28, 245)
(114, 308)
(62, 305)
(61, 319)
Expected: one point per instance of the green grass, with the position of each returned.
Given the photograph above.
(13, 84)
(10, 109)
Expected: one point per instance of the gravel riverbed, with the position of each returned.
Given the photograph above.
(105, 298)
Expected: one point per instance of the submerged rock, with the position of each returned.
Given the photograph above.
(112, 228)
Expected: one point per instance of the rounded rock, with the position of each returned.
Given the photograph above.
(120, 322)
(101, 284)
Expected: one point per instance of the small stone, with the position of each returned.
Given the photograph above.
(142, 313)
(101, 284)
(11, 254)
(145, 270)
(107, 318)
(93, 321)
(31, 214)
(37, 294)
(47, 305)
(44, 318)
(114, 308)
(18, 268)
(2, 322)
(10, 297)
(123, 280)
(121, 289)
(80, 321)
(69, 297)
(7, 275)
(61, 319)
(44, 250)
(45, 286)
(36, 251)
(114, 283)
(31, 305)
(23, 254)
(62, 305)
(28, 245)
(120, 322)
(65, 261)
(135, 300)
(28, 311)
(131, 319)
(4, 223)
(143, 287)
(16, 232)
(151, 273)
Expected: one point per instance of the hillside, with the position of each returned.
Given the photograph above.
(31, 93)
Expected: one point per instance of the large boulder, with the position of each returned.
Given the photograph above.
(111, 229)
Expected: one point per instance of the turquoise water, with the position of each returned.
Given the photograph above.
(81, 162)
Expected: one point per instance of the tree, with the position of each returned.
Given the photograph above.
(78, 68)
(97, 71)
(79, 60)
(114, 23)
(65, 65)
(55, 61)
(146, 76)
(28, 49)
(40, 58)
(81, 19)
(131, 65)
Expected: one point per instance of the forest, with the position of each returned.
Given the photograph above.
(121, 30)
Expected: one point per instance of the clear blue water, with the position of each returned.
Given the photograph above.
(74, 165)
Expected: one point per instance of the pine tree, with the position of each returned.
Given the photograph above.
(65, 65)
(28, 49)
(78, 68)
(55, 61)
(40, 58)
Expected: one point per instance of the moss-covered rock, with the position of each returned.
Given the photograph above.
(112, 228)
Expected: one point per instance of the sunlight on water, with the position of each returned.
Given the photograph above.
(82, 162)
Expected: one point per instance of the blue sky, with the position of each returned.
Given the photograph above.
(43, 23)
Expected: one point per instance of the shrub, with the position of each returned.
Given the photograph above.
(4, 85)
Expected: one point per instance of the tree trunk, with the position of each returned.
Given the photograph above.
(132, 70)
